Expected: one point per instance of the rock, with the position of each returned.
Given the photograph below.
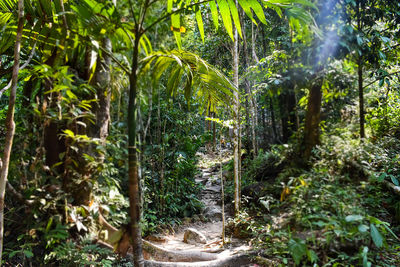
(214, 188)
(156, 238)
(192, 236)
(186, 220)
(202, 218)
(206, 175)
(196, 218)
(201, 181)
(215, 180)
(214, 213)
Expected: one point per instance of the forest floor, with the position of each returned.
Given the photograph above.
(209, 222)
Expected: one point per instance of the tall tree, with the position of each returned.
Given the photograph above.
(236, 120)
(10, 124)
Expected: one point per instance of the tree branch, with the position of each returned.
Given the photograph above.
(380, 77)
(21, 68)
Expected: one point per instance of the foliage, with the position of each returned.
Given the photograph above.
(71, 254)
(383, 119)
(332, 213)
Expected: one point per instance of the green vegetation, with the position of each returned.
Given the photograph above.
(116, 115)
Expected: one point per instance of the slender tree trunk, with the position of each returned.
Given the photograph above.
(296, 111)
(222, 187)
(250, 105)
(273, 121)
(236, 130)
(102, 80)
(360, 7)
(214, 133)
(10, 125)
(134, 190)
(361, 98)
(264, 125)
(253, 44)
(247, 109)
(311, 128)
(284, 116)
(253, 111)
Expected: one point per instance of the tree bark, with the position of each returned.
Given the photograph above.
(361, 98)
(214, 133)
(134, 192)
(236, 118)
(311, 128)
(102, 83)
(360, 75)
(10, 125)
(273, 120)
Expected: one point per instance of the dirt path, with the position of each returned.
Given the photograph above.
(210, 221)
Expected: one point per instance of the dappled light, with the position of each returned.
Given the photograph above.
(199, 133)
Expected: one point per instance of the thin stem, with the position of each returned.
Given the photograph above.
(380, 77)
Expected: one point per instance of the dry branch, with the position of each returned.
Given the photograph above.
(392, 187)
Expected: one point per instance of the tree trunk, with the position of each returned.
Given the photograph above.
(134, 191)
(273, 121)
(284, 117)
(250, 105)
(361, 98)
(253, 44)
(10, 125)
(360, 8)
(311, 128)
(102, 83)
(264, 125)
(214, 133)
(236, 118)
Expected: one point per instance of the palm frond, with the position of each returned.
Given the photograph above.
(199, 79)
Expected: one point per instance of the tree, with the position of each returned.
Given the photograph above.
(10, 125)
(369, 32)
(90, 20)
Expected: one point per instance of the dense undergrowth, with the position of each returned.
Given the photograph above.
(50, 229)
(335, 212)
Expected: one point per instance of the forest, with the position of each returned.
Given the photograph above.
(200, 133)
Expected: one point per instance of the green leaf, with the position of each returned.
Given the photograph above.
(258, 10)
(382, 177)
(169, 6)
(394, 180)
(353, 218)
(246, 8)
(297, 249)
(200, 23)
(362, 228)
(364, 254)
(13, 253)
(226, 16)
(214, 13)
(312, 256)
(28, 253)
(235, 16)
(390, 231)
(176, 24)
(376, 236)
(69, 133)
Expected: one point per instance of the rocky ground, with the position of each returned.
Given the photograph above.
(204, 231)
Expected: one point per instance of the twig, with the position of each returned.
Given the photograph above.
(21, 68)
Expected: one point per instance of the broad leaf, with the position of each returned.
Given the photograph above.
(376, 236)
